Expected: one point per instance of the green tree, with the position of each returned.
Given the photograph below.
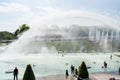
(21, 29)
(4, 35)
(82, 71)
(29, 75)
(16, 32)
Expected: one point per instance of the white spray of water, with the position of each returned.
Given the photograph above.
(54, 25)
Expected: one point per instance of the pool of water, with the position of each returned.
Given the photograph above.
(53, 64)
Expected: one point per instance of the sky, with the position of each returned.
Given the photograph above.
(13, 13)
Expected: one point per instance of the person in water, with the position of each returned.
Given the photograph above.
(105, 64)
(110, 56)
(15, 73)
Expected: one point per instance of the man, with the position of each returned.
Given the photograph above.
(67, 74)
(105, 64)
(72, 69)
(15, 73)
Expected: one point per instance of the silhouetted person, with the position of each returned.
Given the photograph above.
(34, 65)
(76, 72)
(112, 78)
(102, 67)
(66, 74)
(79, 78)
(15, 73)
(72, 69)
(94, 62)
(110, 56)
(105, 64)
(62, 55)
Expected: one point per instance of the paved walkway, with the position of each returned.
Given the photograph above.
(105, 76)
(93, 76)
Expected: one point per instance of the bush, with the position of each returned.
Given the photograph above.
(29, 75)
(82, 71)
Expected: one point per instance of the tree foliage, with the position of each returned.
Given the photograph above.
(21, 29)
(4, 35)
(82, 71)
(29, 74)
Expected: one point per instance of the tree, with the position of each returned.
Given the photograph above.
(4, 35)
(82, 71)
(16, 32)
(21, 29)
(29, 75)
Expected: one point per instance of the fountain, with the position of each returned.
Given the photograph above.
(69, 39)
(60, 40)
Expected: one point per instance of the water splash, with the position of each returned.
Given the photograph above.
(69, 32)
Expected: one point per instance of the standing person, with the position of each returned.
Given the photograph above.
(15, 73)
(105, 64)
(72, 69)
(76, 72)
(113, 78)
(67, 74)
(111, 56)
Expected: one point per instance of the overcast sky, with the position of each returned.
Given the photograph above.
(16, 12)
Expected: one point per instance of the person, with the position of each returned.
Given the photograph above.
(110, 56)
(94, 62)
(112, 78)
(79, 78)
(67, 74)
(102, 67)
(34, 65)
(105, 64)
(76, 72)
(62, 55)
(15, 73)
(72, 69)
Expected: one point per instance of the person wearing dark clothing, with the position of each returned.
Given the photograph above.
(72, 69)
(76, 73)
(110, 56)
(105, 64)
(67, 74)
(79, 78)
(15, 73)
(112, 78)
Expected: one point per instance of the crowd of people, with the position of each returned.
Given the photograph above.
(74, 72)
